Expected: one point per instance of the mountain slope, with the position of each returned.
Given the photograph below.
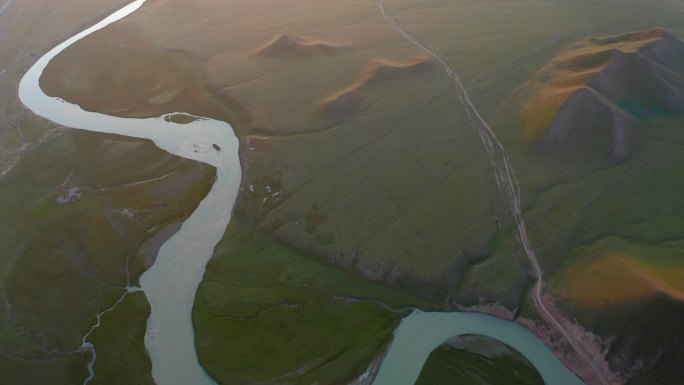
(592, 96)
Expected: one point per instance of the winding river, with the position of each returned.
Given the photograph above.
(170, 284)
(420, 333)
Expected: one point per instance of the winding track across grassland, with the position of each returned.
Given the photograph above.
(507, 184)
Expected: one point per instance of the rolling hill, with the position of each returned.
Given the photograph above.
(594, 95)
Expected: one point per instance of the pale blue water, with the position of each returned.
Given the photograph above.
(170, 284)
(420, 333)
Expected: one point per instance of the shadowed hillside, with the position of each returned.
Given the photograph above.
(593, 95)
(349, 98)
(291, 45)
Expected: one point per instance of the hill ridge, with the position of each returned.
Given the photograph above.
(602, 88)
(349, 98)
(293, 45)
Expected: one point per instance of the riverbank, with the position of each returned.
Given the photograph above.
(180, 263)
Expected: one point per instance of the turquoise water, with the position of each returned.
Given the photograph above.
(420, 333)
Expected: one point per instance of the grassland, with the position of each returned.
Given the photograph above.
(605, 274)
(594, 196)
(369, 217)
(626, 258)
(122, 359)
(383, 178)
(68, 256)
(268, 312)
(477, 360)
(27, 29)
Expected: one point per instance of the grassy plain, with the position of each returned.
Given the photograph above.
(269, 312)
(28, 29)
(478, 360)
(393, 185)
(592, 196)
(122, 359)
(67, 257)
(399, 154)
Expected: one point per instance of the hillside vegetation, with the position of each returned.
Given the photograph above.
(594, 94)
(76, 212)
(360, 164)
(473, 359)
